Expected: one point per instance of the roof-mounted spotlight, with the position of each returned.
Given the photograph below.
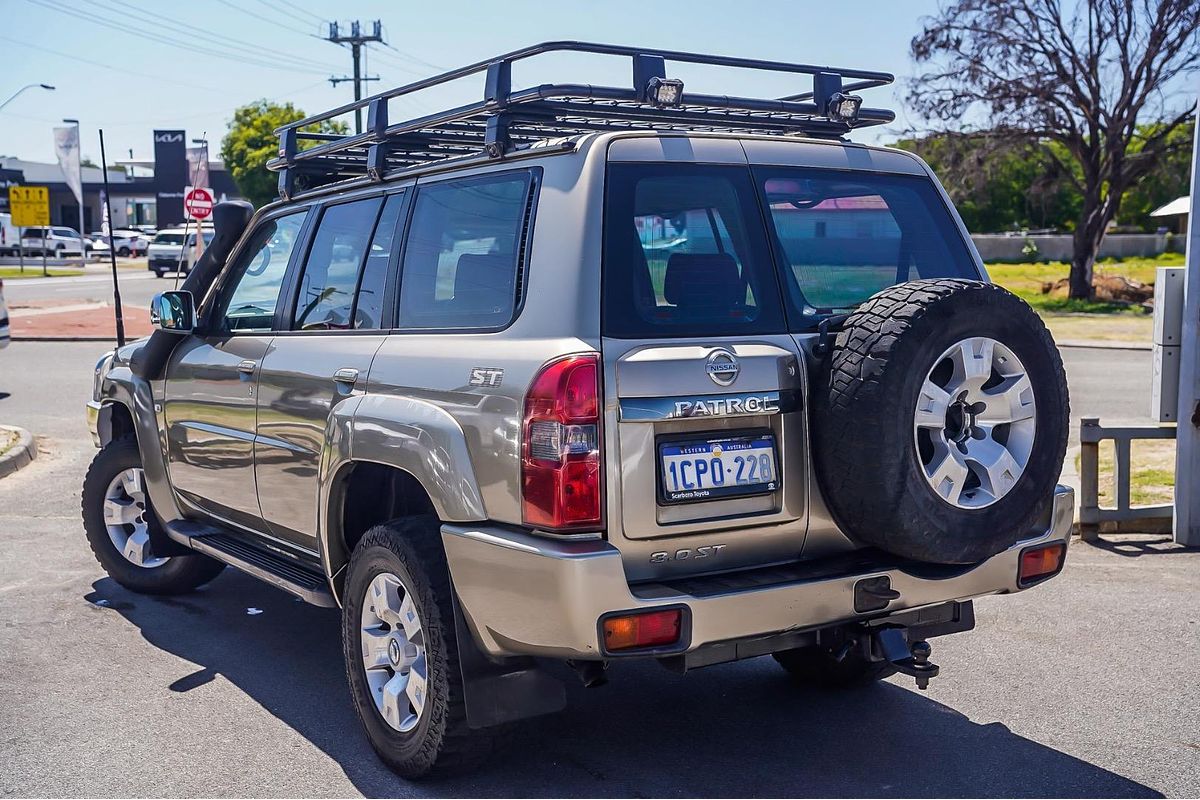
(664, 92)
(843, 107)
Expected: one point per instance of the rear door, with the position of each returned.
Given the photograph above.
(707, 440)
(339, 311)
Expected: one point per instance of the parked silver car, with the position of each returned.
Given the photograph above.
(590, 374)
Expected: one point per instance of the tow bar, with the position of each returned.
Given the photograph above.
(912, 660)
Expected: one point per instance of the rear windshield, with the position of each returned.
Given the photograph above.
(843, 236)
(685, 254)
(693, 250)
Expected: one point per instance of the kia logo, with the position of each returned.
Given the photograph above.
(168, 138)
(722, 367)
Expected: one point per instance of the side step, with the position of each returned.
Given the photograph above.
(307, 583)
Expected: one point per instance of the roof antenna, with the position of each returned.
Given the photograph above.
(112, 251)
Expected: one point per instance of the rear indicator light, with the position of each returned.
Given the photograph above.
(560, 446)
(1038, 563)
(649, 629)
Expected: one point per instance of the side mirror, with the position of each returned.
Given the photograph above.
(173, 311)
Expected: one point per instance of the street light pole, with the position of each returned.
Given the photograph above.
(82, 239)
(45, 86)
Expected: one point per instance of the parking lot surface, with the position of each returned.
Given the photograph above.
(1083, 687)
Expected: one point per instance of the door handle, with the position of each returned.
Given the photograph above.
(247, 366)
(346, 375)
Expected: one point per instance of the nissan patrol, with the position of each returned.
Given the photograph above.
(590, 373)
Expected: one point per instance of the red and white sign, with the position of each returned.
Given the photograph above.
(197, 202)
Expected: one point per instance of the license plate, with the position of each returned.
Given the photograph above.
(715, 469)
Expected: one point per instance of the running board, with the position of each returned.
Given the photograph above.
(309, 584)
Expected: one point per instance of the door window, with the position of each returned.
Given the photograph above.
(461, 260)
(326, 297)
(368, 305)
(249, 303)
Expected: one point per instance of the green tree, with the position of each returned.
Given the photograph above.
(251, 142)
(999, 184)
(1087, 76)
(1170, 178)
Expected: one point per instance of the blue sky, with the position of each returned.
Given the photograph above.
(114, 66)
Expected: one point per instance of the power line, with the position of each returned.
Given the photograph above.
(165, 39)
(274, 22)
(289, 9)
(162, 78)
(219, 39)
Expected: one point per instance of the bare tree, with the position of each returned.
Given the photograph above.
(1083, 76)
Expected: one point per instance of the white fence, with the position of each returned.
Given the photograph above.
(1059, 247)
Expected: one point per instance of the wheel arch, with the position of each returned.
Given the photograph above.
(390, 457)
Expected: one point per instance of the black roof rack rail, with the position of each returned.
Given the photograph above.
(506, 120)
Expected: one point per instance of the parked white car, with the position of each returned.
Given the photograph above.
(164, 251)
(53, 241)
(3, 318)
(10, 236)
(127, 242)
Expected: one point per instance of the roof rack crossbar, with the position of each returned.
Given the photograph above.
(505, 119)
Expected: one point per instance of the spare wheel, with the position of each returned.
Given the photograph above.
(940, 421)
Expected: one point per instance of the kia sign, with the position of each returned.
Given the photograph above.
(170, 176)
(197, 202)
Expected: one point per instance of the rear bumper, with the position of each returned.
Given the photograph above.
(524, 594)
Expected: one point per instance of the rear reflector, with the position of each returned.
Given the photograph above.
(1038, 563)
(649, 629)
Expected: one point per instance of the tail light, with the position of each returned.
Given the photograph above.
(560, 446)
(1039, 563)
(648, 629)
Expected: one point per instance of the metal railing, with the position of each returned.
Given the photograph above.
(1091, 514)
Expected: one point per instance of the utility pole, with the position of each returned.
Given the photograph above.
(1187, 433)
(356, 39)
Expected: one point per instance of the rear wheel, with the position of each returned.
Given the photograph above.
(123, 252)
(158, 273)
(401, 652)
(118, 520)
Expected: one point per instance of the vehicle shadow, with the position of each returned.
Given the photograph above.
(739, 730)
(1135, 546)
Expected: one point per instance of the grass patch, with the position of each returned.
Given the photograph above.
(15, 274)
(1025, 281)
(1152, 464)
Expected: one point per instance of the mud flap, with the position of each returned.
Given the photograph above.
(502, 690)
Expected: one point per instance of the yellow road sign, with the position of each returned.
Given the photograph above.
(30, 205)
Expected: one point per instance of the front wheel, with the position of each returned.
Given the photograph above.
(401, 652)
(118, 519)
(123, 252)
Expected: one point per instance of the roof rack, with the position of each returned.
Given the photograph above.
(508, 120)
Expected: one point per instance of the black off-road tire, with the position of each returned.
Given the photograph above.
(179, 575)
(442, 743)
(816, 666)
(865, 449)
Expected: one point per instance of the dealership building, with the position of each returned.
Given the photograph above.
(145, 193)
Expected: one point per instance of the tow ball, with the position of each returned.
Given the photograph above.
(911, 660)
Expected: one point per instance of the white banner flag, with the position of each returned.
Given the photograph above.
(197, 158)
(66, 146)
(104, 224)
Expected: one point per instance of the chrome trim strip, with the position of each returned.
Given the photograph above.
(747, 404)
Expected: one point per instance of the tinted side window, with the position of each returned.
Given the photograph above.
(326, 297)
(685, 254)
(461, 259)
(257, 277)
(368, 307)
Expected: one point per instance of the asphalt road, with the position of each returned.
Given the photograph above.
(137, 287)
(1083, 687)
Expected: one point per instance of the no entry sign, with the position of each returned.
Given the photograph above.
(198, 202)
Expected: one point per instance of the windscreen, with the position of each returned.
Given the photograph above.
(843, 236)
(168, 238)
